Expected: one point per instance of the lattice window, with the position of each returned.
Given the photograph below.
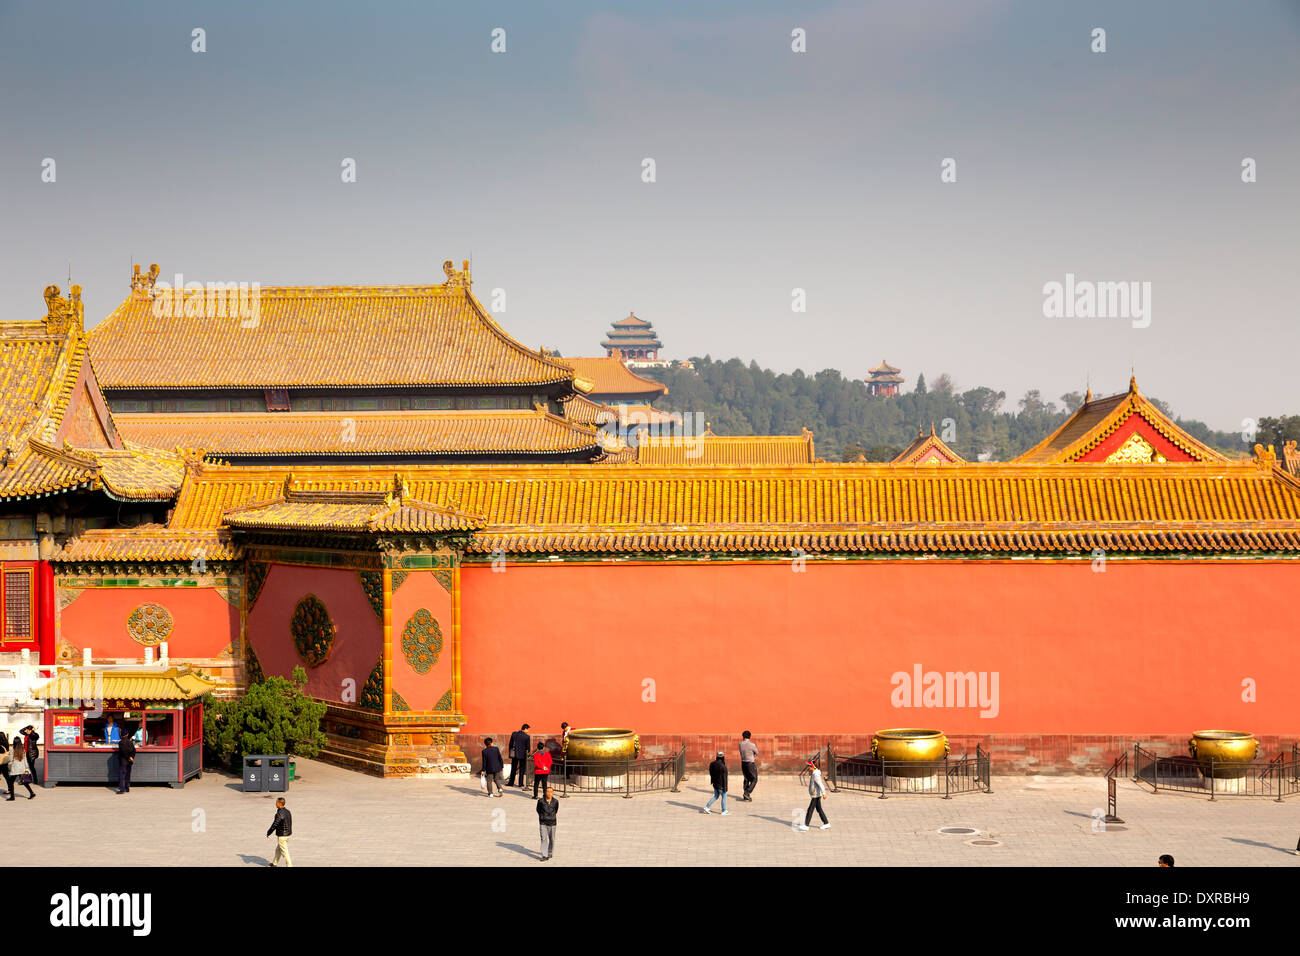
(17, 588)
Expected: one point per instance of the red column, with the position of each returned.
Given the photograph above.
(45, 612)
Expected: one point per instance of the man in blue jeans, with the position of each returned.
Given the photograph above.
(718, 777)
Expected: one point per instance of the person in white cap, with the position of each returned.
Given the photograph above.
(718, 777)
(816, 790)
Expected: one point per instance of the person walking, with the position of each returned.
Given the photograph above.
(18, 770)
(748, 765)
(718, 777)
(5, 756)
(816, 790)
(541, 768)
(519, 746)
(282, 827)
(32, 751)
(547, 808)
(125, 760)
(492, 766)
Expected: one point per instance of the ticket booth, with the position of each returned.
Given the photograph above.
(88, 710)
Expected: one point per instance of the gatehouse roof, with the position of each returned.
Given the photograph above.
(343, 434)
(609, 377)
(986, 508)
(1097, 419)
(312, 337)
(56, 433)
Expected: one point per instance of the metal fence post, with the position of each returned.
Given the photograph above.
(1212, 778)
(946, 794)
(627, 781)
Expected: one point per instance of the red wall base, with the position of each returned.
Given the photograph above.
(786, 753)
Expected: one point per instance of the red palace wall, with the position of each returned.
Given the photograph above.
(420, 589)
(358, 631)
(1138, 651)
(204, 622)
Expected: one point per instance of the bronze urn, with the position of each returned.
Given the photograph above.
(1223, 754)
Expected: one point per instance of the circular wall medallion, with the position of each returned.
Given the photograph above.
(312, 630)
(422, 641)
(149, 624)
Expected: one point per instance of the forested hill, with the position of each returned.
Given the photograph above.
(740, 399)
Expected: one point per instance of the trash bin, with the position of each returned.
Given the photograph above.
(276, 776)
(254, 774)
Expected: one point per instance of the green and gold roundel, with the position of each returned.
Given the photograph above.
(422, 641)
(149, 624)
(313, 631)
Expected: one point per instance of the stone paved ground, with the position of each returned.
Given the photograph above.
(343, 818)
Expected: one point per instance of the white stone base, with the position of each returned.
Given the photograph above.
(1226, 784)
(584, 782)
(896, 784)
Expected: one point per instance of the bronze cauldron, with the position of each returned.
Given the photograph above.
(1231, 751)
(909, 744)
(611, 745)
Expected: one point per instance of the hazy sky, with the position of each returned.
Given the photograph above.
(775, 170)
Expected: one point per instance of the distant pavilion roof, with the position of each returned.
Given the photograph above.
(632, 332)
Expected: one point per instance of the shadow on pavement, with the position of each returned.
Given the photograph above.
(1262, 846)
(253, 860)
(521, 850)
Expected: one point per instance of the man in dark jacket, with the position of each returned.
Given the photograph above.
(520, 746)
(125, 757)
(718, 777)
(492, 767)
(547, 808)
(282, 827)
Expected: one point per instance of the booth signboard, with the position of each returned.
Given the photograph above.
(66, 730)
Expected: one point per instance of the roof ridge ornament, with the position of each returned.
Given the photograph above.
(143, 284)
(457, 278)
(63, 315)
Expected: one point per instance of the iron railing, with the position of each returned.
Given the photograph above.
(939, 778)
(1117, 769)
(1278, 778)
(619, 777)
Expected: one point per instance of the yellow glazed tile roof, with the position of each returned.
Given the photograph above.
(710, 449)
(485, 432)
(922, 445)
(315, 336)
(609, 376)
(41, 364)
(390, 511)
(994, 507)
(1098, 418)
(156, 684)
(147, 543)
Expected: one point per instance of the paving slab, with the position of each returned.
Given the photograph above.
(342, 818)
